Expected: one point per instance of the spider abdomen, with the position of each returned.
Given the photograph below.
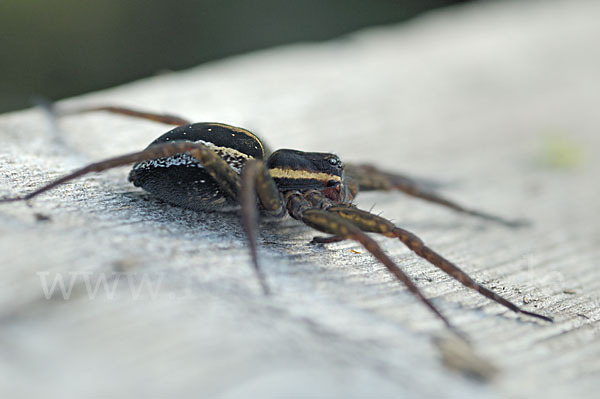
(181, 180)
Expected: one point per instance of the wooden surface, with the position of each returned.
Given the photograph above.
(498, 100)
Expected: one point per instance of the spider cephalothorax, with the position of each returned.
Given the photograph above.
(213, 166)
(302, 171)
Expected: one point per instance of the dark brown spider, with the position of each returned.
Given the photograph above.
(212, 166)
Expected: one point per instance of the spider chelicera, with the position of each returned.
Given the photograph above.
(214, 166)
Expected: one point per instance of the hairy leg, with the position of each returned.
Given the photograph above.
(320, 219)
(367, 221)
(369, 178)
(215, 165)
(256, 182)
(162, 118)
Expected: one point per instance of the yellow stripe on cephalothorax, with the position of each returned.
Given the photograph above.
(243, 131)
(280, 173)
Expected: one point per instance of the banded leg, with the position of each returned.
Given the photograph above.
(300, 208)
(370, 178)
(162, 118)
(213, 164)
(256, 181)
(372, 223)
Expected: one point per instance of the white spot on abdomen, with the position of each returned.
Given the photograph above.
(233, 157)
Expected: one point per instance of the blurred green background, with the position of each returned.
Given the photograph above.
(60, 48)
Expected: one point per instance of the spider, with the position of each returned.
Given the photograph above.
(214, 166)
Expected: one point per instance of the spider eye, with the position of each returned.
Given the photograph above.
(335, 162)
(332, 183)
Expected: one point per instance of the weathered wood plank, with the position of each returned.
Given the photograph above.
(500, 100)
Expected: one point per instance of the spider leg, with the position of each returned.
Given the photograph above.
(168, 119)
(320, 219)
(369, 178)
(367, 221)
(162, 118)
(214, 165)
(256, 181)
